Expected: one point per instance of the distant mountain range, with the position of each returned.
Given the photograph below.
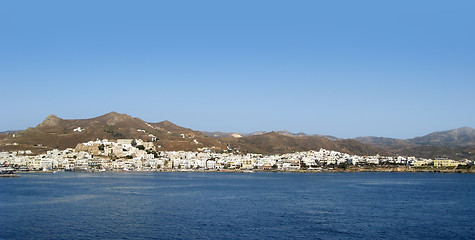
(55, 132)
(460, 137)
(457, 144)
(284, 132)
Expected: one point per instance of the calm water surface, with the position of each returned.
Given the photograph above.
(238, 206)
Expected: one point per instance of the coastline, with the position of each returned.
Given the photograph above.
(364, 169)
(9, 175)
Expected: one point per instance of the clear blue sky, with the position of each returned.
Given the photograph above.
(345, 68)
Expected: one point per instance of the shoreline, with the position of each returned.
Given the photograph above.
(346, 170)
(9, 175)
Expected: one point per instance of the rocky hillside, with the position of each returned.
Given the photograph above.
(55, 132)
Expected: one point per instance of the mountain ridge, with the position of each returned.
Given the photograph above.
(56, 132)
(458, 137)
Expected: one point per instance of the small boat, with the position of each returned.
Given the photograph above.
(7, 170)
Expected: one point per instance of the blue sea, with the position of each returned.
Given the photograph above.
(238, 206)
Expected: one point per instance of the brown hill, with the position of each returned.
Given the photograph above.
(390, 144)
(169, 126)
(439, 152)
(55, 132)
(175, 138)
(276, 143)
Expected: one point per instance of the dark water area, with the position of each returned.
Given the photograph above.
(238, 206)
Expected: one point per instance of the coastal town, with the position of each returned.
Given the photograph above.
(137, 155)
